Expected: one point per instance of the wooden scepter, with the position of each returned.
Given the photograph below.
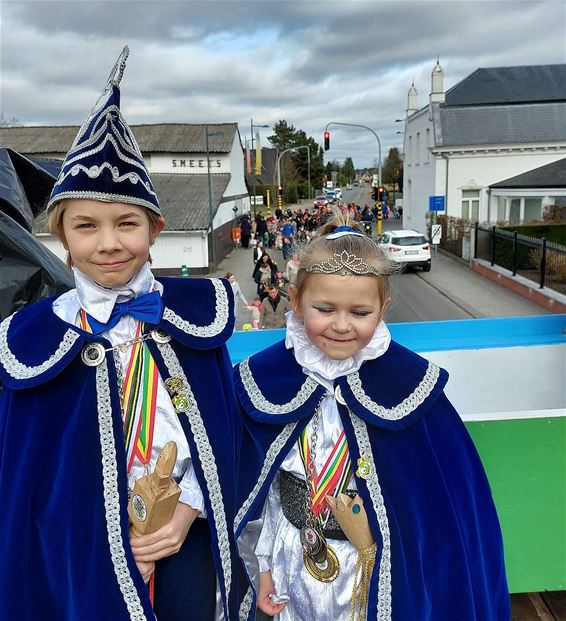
(154, 498)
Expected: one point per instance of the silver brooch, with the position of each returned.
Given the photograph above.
(160, 336)
(93, 354)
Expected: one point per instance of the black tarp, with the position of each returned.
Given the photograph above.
(28, 270)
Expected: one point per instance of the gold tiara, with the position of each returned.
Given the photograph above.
(342, 263)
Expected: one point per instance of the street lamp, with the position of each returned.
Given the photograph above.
(210, 213)
(308, 164)
(252, 125)
(369, 130)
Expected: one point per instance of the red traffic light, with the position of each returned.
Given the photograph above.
(326, 141)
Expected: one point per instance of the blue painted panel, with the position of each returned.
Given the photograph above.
(438, 335)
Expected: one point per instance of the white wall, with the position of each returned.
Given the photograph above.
(485, 169)
(419, 171)
(520, 379)
(173, 249)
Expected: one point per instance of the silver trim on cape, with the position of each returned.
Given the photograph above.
(218, 324)
(207, 460)
(112, 497)
(262, 404)
(21, 371)
(408, 405)
(374, 488)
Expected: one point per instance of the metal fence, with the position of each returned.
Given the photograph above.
(537, 259)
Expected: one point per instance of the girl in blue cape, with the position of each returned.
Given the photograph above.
(361, 491)
(95, 383)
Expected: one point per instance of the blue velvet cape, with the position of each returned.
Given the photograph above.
(440, 551)
(64, 544)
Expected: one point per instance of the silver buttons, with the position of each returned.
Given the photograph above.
(160, 336)
(93, 354)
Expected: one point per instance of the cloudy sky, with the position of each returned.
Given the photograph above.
(308, 62)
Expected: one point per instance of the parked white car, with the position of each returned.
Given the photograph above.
(338, 193)
(408, 247)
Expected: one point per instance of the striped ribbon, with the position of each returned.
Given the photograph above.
(333, 477)
(139, 402)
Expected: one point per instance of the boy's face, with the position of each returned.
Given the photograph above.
(109, 242)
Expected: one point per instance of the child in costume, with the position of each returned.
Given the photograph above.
(95, 383)
(368, 495)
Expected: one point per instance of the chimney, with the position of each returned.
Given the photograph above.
(437, 84)
(412, 105)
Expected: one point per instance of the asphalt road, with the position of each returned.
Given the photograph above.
(413, 299)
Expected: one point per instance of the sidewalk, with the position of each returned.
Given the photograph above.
(474, 293)
(240, 263)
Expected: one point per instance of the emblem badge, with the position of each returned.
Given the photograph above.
(174, 384)
(160, 336)
(365, 467)
(93, 354)
(181, 402)
(139, 507)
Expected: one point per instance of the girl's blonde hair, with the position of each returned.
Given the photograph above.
(55, 224)
(320, 249)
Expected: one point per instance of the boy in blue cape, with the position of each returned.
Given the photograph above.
(94, 384)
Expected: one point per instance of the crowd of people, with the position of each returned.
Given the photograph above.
(283, 230)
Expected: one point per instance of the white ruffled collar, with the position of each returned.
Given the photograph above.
(317, 364)
(99, 302)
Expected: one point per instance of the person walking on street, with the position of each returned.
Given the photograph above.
(246, 227)
(258, 251)
(238, 296)
(273, 310)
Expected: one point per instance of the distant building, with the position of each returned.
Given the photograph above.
(176, 157)
(496, 124)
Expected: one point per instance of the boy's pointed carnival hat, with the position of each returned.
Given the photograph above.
(105, 163)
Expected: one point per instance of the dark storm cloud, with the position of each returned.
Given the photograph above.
(305, 62)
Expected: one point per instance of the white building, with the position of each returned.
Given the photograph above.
(495, 124)
(177, 159)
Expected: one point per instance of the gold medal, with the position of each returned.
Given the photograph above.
(319, 558)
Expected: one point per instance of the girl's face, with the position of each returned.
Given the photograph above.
(340, 313)
(109, 242)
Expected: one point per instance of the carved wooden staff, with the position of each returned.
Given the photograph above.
(352, 518)
(154, 498)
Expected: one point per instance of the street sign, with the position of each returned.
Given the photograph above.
(258, 199)
(436, 233)
(436, 203)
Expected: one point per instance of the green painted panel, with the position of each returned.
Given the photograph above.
(525, 461)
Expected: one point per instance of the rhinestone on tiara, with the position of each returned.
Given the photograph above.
(342, 263)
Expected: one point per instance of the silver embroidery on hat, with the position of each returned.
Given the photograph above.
(20, 371)
(408, 405)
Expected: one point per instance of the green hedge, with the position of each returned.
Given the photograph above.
(552, 232)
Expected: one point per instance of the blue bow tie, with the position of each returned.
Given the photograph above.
(146, 308)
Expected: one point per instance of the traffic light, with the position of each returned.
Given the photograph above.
(380, 193)
(280, 191)
(375, 194)
(326, 141)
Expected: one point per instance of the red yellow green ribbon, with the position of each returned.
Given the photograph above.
(333, 477)
(139, 402)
